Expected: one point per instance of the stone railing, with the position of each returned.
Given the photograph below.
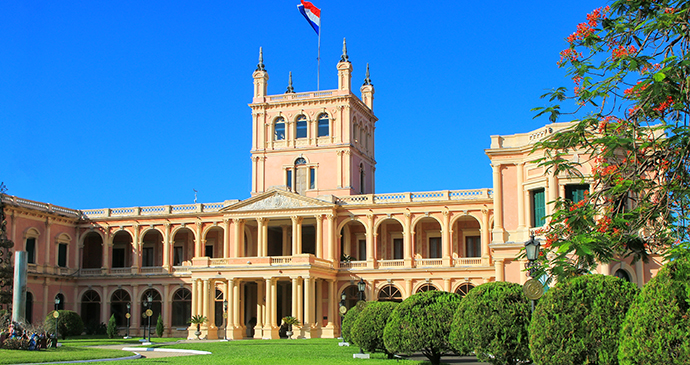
(121, 271)
(426, 196)
(45, 207)
(152, 270)
(353, 264)
(391, 263)
(468, 261)
(157, 210)
(91, 272)
(428, 262)
(300, 96)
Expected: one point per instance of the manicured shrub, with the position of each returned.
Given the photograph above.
(159, 326)
(656, 329)
(350, 318)
(69, 323)
(578, 321)
(367, 331)
(492, 320)
(112, 327)
(421, 323)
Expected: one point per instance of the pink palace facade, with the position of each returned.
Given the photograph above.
(311, 230)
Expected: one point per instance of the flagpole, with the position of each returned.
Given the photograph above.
(318, 61)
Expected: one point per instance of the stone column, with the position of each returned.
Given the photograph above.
(238, 227)
(136, 250)
(319, 235)
(198, 244)
(286, 251)
(308, 306)
(408, 287)
(498, 266)
(260, 239)
(552, 192)
(49, 223)
(498, 204)
(445, 239)
(521, 195)
(296, 235)
(485, 237)
(166, 313)
(226, 238)
(166, 247)
(236, 304)
(370, 241)
(329, 330)
(135, 324)
(107, 245)
(295, 294)
(204, 303)
(260, 309)
(318, 293)
(211, 308)
(105, 299)
(446, 285)
(639, 270)
(194, 298)
(407, 240)
(330, 250)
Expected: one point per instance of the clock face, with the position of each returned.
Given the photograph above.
(343, 309)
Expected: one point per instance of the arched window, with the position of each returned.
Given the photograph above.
(361, 178)
(390, 293)
(279, 129)
(61, 305)
(118, 306)
(620, 273)
(300, 176)
(181, 307)
(91, 308)
(300, 161)
(301, 128)
(463, 289)
(324, 127)
(219, 308)
(426, 287)
(352, 296)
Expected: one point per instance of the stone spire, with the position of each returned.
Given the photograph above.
(260, 66)
(290, 89)
(367, 80)
(344, 57)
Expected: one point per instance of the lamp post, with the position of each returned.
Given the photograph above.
(361, 286)
(343, 310)
(533, 288)
(149, 300)
(57, 318)
(225, 317)
(129, 307)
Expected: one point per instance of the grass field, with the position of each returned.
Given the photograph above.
(249, 352)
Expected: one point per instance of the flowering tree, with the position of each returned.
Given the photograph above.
(631, 71)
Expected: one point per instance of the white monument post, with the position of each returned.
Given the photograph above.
(19, 297)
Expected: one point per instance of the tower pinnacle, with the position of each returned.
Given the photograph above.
(344, 57)
(260, 66)
(367, 80)
(290, 89)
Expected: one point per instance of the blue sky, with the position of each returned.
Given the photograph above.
(134, 103)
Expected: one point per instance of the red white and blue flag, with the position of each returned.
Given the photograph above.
(311, 13)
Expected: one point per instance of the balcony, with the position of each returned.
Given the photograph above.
(425, 196)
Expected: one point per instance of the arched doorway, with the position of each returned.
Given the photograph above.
(118, 306)
(181, 307)
(91, 308)
(92, 253)
(623, 274)
(155, 307)
(122, 250)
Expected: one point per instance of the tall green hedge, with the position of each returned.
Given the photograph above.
(367, 331)
(421, 323)
(578, 321)
(492, 320)
(350, 318)
(69, 323)
(656, 329)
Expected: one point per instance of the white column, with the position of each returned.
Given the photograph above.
(498, 204)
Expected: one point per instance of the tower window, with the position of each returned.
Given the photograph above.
(279, 129)
(323, 125)
(301, 131)
(312, 178)
(361, 179)
(288, 177)
(538, 208)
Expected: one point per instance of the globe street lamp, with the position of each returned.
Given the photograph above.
(533, 288)
(361, 285)
(56, 314)
(343, 310)
(129, 307)
(149, 313)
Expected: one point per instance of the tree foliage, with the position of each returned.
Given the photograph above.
(578, 321)
(112, 327)
(6, 260)
(367, 331)
(421, 323)
(629, 122)
(656, 329)
(160, 327)
(492, 321)
(350, 319)
(69, 323)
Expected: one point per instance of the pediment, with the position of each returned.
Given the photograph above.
(277, 200)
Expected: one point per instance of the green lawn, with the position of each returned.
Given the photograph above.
(245, 352)
(103, 340)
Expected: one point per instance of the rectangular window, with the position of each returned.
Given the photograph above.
(288, 178)
(362, 250)
(279, 132)
(435, 247)
(209, 251)
(473, 247)
(538, 207)
(301, 129)
(397, 249)
(147, 257)
(178, 256)
(118, 257)
(576, 193)
(31, 250)
(62, 255)
(323, 127)
(312, 178)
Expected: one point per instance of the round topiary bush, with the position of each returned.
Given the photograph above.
(367, 331)
(492, 320)
(69, 323)
(578, 321)
(350, 318)
(422, 323)
(656, 329)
